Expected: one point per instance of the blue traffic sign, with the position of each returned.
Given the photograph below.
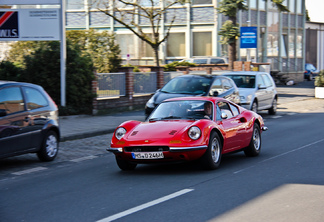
(249, 37)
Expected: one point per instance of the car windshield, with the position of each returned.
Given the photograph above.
(243, 81)
(181, 110)
(192, 86)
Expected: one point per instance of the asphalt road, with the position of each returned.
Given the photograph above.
(285, 183)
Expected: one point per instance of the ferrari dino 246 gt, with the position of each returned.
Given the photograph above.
(186, 129)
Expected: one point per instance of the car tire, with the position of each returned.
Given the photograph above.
(49, 147)
(254, 147)
(254, 106)
(213, 155)
(125, 165)
(273, 109)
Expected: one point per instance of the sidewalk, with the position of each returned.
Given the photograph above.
(295, 98)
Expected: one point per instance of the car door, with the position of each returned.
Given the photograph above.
(261, 92)
(270, 89)
(232, 126)
(14, 122)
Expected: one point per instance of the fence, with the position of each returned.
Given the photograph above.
(114, 84)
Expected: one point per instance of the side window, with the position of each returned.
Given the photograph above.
(225, 108)
(34, 98)
(234, 110)
(260, 81)
(267, 80)
(217, 87)
(11, 100)
(227, 84)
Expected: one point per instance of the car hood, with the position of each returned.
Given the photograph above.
(158, 130)
(161, 96)
(246, 91)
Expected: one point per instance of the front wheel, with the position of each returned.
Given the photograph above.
(49, 147)
(125, 165)
(212, 158)
(254, 147)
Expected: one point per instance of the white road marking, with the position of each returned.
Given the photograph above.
(32, 170)
(275, 117)
(146, 205)
(83, 158)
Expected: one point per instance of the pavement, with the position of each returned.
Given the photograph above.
(294, 98)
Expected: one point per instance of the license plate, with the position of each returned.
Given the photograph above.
(147, 155)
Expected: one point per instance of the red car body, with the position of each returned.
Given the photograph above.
(188, 137)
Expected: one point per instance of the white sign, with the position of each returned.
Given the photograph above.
(29, 24)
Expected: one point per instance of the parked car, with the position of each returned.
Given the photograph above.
(195, 85)
(310, 71)
(257, 90)
(206, 60)
(183, 129)
(28, 121)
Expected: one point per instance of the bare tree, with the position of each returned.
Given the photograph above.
(128, 13)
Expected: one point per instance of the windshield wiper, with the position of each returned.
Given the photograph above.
(172, 117)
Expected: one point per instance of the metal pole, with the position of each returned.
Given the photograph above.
(63, 54)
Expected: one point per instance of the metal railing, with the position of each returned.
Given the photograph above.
(145, 82)
(111, 85)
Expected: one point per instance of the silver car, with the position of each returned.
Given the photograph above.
(257, 90)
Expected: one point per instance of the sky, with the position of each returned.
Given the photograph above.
(315, 10)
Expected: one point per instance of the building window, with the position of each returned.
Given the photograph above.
(201, 2)
(272, 44)
(292, 6)
(292, 44)
(74, 4)
(202, 45)
(145, 49)
(176, 45)
(126, 45)
(253, 4)
(299, 46)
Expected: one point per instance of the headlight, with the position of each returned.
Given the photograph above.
(120, 132)
(150, 103)
(194, 133)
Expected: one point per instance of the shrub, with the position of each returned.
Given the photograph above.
(319, 80)
(172, 66)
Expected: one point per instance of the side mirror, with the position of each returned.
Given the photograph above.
(215, 93)
(224, 115)
(3, 112)
(262, 87)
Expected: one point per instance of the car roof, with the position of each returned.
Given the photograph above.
(245, 73)
(4, 83)
(203, 75)
(196, 98)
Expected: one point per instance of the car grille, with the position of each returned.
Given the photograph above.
(146, 148)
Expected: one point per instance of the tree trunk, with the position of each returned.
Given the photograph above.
(231, 54)
(156, 52)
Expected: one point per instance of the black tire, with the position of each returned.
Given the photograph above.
(254, 147)
(125, 165)
(213, 155)
(254, 106)
(273, 109)
(49, 147)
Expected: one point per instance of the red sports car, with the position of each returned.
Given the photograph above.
(186, 129)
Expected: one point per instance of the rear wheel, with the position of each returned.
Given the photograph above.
(254, 147)
(49, 148)
(254, 107)
(125, 165)
(273, 109)
(212, 158)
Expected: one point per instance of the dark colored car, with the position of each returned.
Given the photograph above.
(195, 85)
(28, 121)
(310, 71)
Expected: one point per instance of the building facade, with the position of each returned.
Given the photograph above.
(280, 35)
(315, 44)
